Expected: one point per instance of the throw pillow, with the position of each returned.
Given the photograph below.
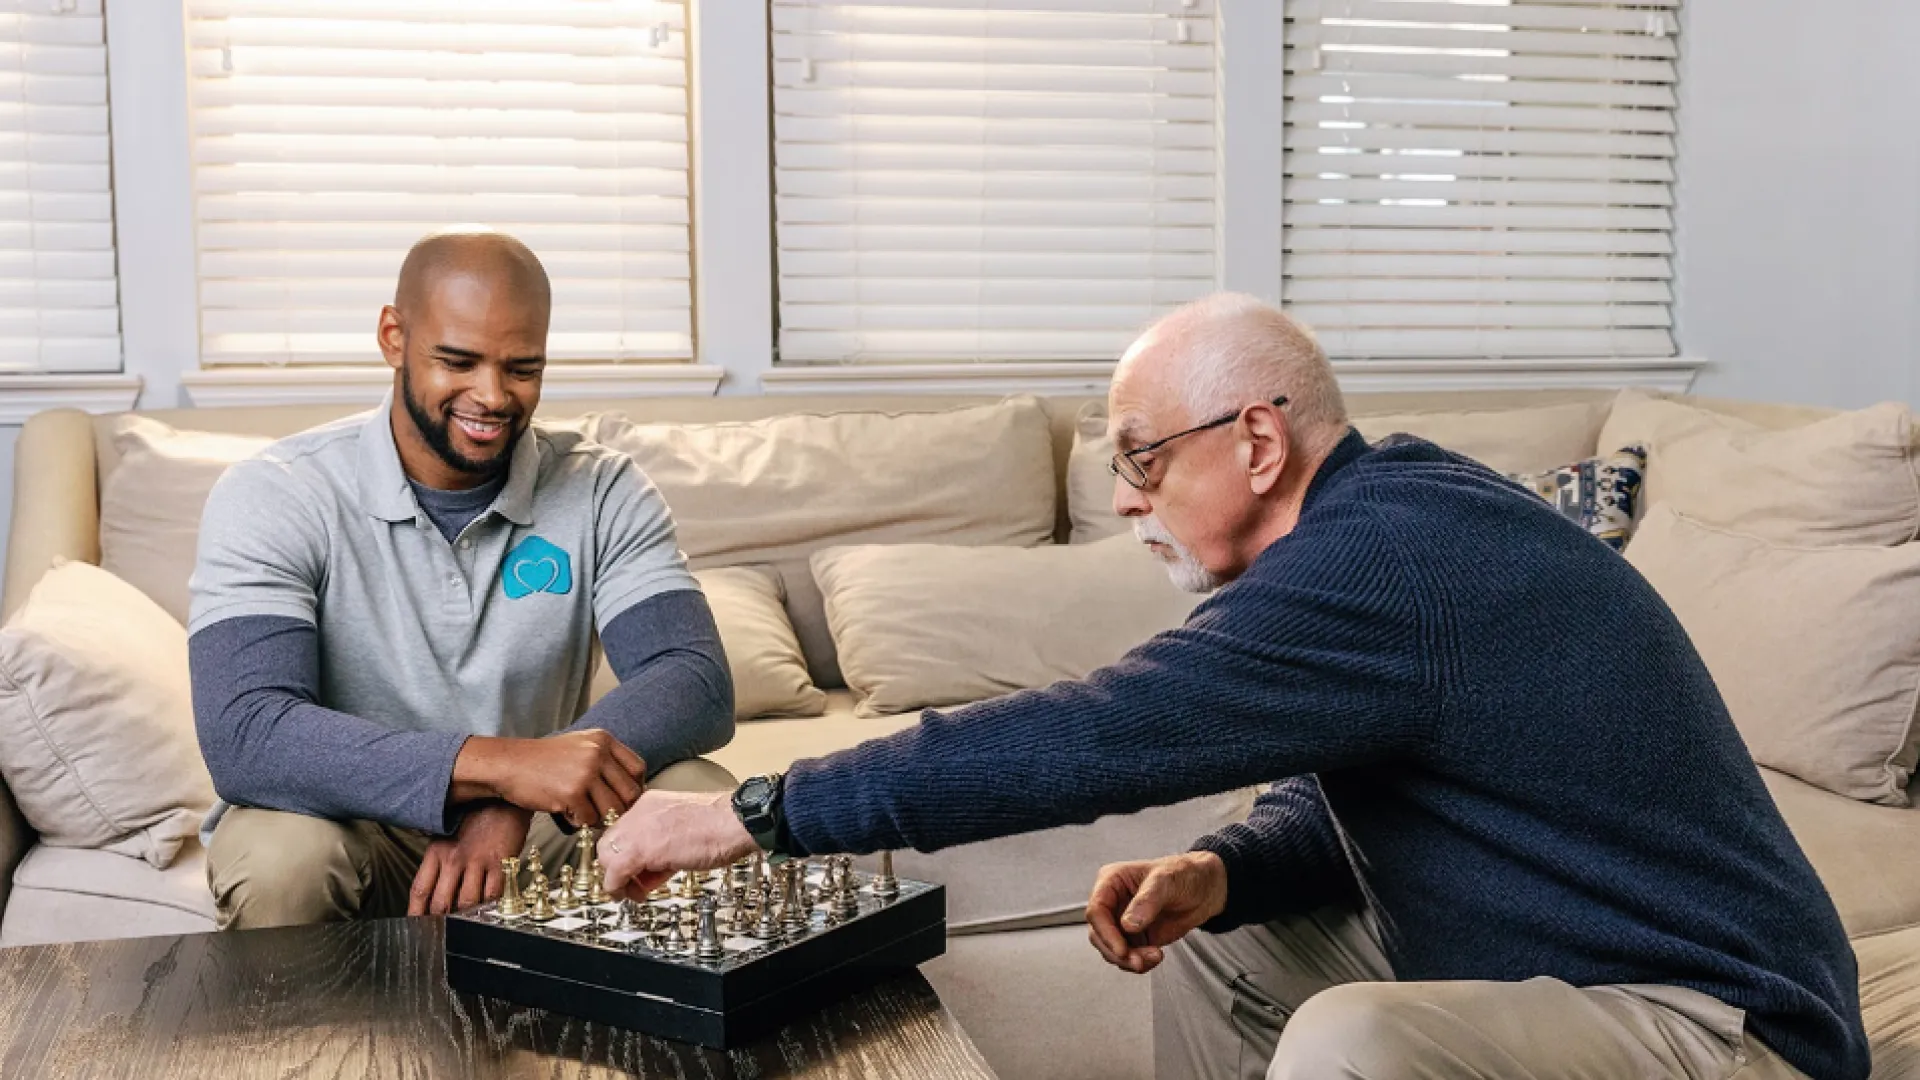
(926, 624)
(769, 673)
(763, 655)
(772, 492)
(96, 718)
(150, 505)
(1816, 649)
(1845, 479)
(1597, 494)
(1089, 484)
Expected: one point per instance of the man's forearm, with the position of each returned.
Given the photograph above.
(675, 698)
(1286, 858)
(269, 743)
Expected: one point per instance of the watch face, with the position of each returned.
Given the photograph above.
(753, 794)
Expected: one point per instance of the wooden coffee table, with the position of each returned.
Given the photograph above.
(371, 999)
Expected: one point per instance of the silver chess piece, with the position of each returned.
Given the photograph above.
(649, 926)
(706, 936)
(769, 924)
(627, 916)
(845, 895)
(885, 885)
(798, 914)
(740, 918)
(675, 940)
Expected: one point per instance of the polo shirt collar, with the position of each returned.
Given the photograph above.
(383, 480)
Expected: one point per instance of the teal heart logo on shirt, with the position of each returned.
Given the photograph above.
(536, 565)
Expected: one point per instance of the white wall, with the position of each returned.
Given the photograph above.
(1799, 199)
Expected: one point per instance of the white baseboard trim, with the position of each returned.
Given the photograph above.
(1673, 374)
(23, 395)
(365, 385)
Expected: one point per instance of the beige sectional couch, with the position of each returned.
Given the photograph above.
(1018, 974)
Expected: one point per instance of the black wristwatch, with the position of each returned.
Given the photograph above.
(757, 801)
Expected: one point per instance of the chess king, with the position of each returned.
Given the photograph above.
(393, 617)
(1466, 865)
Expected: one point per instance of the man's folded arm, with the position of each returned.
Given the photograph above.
(269, 743)
(1285, 859)
(675, 698)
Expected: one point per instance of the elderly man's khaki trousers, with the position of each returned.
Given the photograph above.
(1313, 998)
(271, 868)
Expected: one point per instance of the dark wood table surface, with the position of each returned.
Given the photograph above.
(371, 999)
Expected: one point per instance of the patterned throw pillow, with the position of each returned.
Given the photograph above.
(1598, 493)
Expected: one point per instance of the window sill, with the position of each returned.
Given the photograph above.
(21, 396)
(1671, 374)
(366, 385)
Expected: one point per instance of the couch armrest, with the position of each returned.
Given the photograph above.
(56, 502)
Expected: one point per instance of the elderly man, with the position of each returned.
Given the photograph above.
(1471, 863)
(393, 619)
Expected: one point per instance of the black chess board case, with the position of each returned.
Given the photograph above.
(587, 968)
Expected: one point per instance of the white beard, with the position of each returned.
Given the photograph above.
(1186, 571)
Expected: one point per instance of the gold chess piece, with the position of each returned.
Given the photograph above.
(688, 885)
(539, 896)
(583, 873)
(608, 820)
(510, 905)
(566, 889)
(597, 883)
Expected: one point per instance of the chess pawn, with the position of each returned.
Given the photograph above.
(626, 915)
(510, 905)
(885, 885)
(706, 936)
(566, 889)
(611, 816)
(676, 939)
(597, 883)
(539, 896)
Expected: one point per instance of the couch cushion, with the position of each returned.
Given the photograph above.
(67, 894)
(1816, 650)
(1038, 879)
(763, 655)
(1845, 479)
(774, 491)
(1862, 852)
(1089, 484)
(96, 718)
(918, 625)
(150, 505)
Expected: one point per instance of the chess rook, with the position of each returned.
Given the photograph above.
(510, 905)
(885, 885)
(706, 936)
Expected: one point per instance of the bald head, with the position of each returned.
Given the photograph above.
(505, 264)
(1229, 350)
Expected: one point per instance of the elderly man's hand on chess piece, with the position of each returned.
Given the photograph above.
(464, 869)
(1137, 908)
(666, 831)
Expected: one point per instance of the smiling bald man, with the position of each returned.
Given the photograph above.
(393, 618)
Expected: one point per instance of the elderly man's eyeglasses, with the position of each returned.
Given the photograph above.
(1127, 468)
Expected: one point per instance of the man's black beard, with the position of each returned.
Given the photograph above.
(437, 433)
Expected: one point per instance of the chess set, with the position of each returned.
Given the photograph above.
(711, 957)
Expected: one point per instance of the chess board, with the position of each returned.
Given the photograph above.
(644, 968)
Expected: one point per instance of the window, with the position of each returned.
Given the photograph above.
(59, 300)
(1473, 178)
(328, 135)
(958, 180)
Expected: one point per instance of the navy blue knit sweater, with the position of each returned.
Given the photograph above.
(1488, 727)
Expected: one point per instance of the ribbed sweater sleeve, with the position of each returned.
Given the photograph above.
(1311, 660)
(675, 697)
(1286, 858)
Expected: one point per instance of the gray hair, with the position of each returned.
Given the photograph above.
(1237, 350)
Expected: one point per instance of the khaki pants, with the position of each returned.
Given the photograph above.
(271, 868)
(1314, 998)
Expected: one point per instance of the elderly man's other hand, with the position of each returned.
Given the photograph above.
(1138, 907)
(667, 831)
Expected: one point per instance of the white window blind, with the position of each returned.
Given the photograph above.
(989, 179)
(1477, 178)
(328, 135)
(59, 300)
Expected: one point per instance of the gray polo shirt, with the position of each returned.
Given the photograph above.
(486, 635)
